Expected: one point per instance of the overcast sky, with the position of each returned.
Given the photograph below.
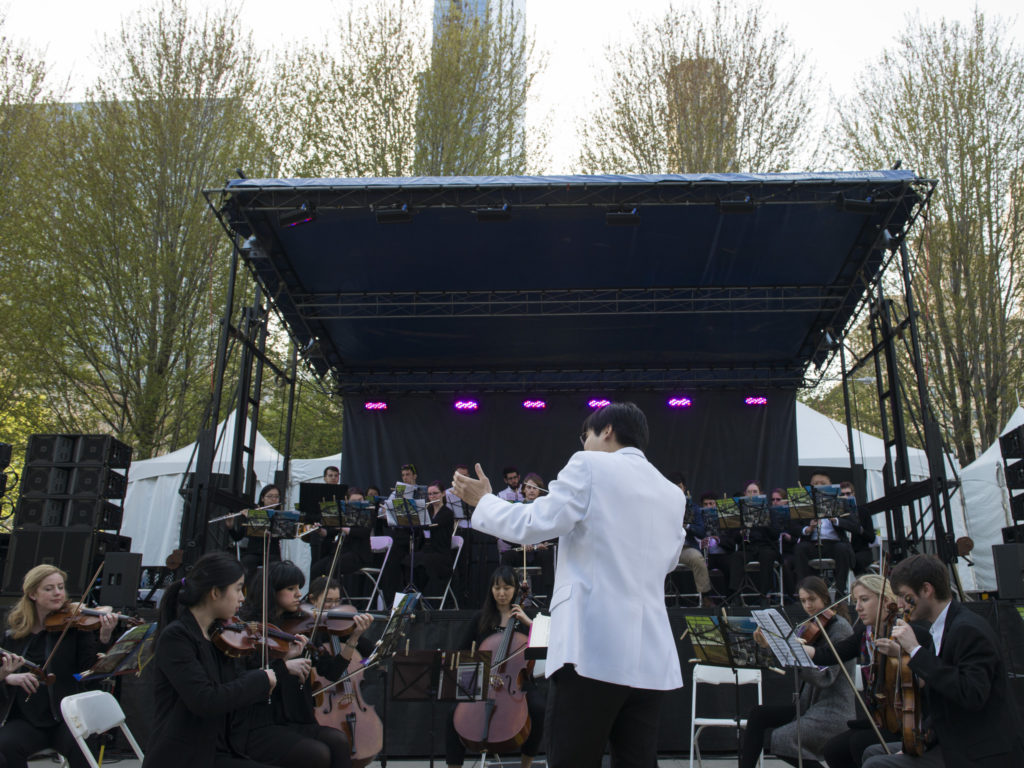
(840, 38)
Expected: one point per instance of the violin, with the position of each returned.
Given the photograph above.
(338, 621)
(86, 619)
(810, 631)
(238, 638)
(895, 693)
(46, 678)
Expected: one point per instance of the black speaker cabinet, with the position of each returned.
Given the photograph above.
(5, 455)
(93, 513)
(50, 449)
(102, 450)
(1013, 534)
(76, 552)
(44, 480)
(1011, 445)
(39, 513)
(1015, 475)
(97, 482)
(1009, 562)
(1017, 507)
(119, 585)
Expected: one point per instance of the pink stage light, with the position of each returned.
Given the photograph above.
(760, 400)
(679, 402)
(466, 405)
(534, 405)
(375, 405)
(596, 403)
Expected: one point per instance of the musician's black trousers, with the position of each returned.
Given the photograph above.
(585, 715)
(847, 749)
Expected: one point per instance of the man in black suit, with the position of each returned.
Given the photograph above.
(969, 715)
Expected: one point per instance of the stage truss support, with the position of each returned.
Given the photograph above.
(915, 510)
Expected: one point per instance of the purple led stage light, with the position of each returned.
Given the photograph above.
(466, 405)
(755, 401)
(596, 403)
(679, 402)
(375, 405)
(534, 405)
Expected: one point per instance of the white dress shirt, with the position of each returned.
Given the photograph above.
(620, 528)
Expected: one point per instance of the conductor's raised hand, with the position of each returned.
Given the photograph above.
(471, 490)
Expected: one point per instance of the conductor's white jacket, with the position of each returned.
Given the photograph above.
(619, 524)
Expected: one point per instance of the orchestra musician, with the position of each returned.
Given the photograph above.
(758, 544)
(832, 535)
(252, 553)
(433, 557)
(500, 607)
(720, 548)
(355, 545)
(202, 697)
(826, 701)
(542, 554)
(286, 733)
(847, 749)
(692, 555)
(612, 653)
(969, 715)
(29, 710)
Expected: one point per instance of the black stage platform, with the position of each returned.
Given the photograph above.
(411, 728)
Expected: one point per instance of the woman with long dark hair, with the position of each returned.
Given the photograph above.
(202, 697)
(499, 609)
(826, 701)
(30, 712)
(288, 734)
(252, 552)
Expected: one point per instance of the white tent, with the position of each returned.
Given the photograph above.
(987, 502)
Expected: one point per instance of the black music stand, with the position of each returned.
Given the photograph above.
(407, 509)
(753, 514)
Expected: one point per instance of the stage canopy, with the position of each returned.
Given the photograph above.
(568, 283)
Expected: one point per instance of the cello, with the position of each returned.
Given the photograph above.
(501, 722)
(343, 707)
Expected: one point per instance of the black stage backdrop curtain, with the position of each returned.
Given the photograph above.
(719, 443)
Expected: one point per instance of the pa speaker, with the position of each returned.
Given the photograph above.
(102, 450)
(40, 481)
(50, 449)
(1015, 475)
(97, 482)
(119, 584)
(76, 552)
(1009, 562)
(5, 455)
(1011, 445)
(39, 513)
(93, 513)
(1013, 534)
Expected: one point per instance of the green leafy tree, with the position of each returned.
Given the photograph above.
(949, 100)
(136, 263)
(697, 91)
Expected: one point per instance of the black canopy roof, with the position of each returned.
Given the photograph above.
(468, 284)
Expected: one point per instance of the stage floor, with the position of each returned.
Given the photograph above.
(716, 761)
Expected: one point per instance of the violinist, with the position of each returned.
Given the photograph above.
(330, 601)
(847, 749)
(31, 713)
(202, 697)
(542, 554)
(499, 609)
(355, 545)
(969, 717)
(252, 553)
(826, 701)
(288, 734)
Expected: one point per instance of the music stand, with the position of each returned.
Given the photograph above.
(753, 514)
(407, 509)
(317, 498)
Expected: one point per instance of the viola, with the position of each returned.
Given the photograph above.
(895, 692)
(883, 678)
(241, 638)
(343, 707)
(810, 631)
(87, 619)
(908, 704)
(500, 723)
(46, 678)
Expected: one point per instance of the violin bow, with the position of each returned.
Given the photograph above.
(323, 595)
(853, 686)
(74, 616)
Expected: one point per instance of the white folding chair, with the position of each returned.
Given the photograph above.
(457, 542)
(91, 713)
(378, 544)
(708, 675)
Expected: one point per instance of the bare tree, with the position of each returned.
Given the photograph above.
(949, 100)
(701, 92)
(136, 263)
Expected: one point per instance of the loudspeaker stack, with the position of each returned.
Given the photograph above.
(70, 507)
(1009, 557)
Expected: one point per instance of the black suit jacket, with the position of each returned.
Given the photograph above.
(967, 695)
(196, 688)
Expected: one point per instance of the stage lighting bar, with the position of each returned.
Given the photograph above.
(466, 405)
(756, 401)
(375, 405)
(300, 215)
(679, 402)
(598, 402)
(534, 405)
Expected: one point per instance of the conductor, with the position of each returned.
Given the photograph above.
(611, 653)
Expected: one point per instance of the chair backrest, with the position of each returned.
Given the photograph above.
(705, 673)
(91, 712)
(381, 543)
(457, 542)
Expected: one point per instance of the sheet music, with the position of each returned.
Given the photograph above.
(781, 638)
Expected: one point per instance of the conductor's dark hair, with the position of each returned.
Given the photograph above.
(918, 569)
(626, 420)
(214, 570)
(281, 575)
(490, 616)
